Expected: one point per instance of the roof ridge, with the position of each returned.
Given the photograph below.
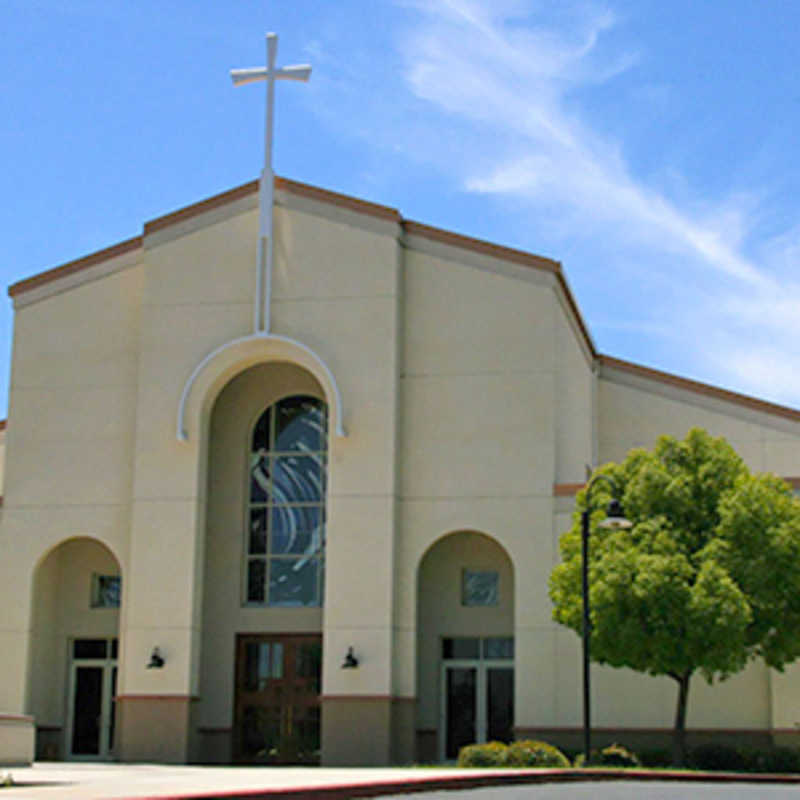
(302, 190)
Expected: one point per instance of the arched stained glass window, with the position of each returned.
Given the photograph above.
(286, 510)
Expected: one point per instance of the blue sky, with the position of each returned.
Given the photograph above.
(650, 147)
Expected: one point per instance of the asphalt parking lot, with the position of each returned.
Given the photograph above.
(622, 790)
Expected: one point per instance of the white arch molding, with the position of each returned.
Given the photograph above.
(257, 348)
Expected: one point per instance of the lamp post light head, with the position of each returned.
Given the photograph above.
(615, 518)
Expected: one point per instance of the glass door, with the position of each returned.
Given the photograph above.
(93, 678)
(499, 688)
(477, 693)
(461, 708)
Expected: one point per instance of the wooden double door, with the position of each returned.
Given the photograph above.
(277, 714)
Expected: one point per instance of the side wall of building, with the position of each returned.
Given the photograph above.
(633, 411)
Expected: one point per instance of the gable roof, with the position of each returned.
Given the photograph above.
(409, 227)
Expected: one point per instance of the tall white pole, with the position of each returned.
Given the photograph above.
(263, 292)
(268, 185)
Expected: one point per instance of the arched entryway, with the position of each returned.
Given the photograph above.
(72, 672)
(266, 490)
(465, 644)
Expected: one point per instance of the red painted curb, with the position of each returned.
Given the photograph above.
(345, 791)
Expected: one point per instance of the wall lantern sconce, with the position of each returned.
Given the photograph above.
(350, 661)
(156, 659)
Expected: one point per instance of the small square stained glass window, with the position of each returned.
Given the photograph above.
(480, 588)
(106, 591)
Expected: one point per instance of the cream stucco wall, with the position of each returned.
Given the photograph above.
(335, 292)
(574, 402)
(69, 468)
(480, 435)
(2, 457)
(196, 289)
(635, 412)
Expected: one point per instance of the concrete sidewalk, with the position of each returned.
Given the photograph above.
(136, 781)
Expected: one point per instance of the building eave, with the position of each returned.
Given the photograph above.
(71, 267)
(697, 387)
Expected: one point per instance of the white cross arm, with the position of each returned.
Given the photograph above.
(297, 72)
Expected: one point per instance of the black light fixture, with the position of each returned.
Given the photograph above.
(350, 660)
(156, 659)
(615, 520)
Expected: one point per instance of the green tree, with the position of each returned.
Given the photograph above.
(707, 579)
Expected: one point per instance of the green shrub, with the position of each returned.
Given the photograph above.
(491, 754)
(655, 757)
(530, 753)
(776, 759)
(721, 757)
(615, 755)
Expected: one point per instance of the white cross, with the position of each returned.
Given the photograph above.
(270, 73)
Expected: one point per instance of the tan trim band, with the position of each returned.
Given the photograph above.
(365, 698)
(201, 207)
(567, 489)
(74, 266)
(669, 731)
(284, 184)
(171, 697)
(337, 199)
(481, 246)
(16, 718)
(571, 489)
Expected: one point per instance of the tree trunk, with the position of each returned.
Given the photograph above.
(679, 736)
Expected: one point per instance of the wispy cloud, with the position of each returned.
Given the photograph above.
(470, 60)
(504, 100)
(515, 77)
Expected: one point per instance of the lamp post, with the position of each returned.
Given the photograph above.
(614, 520)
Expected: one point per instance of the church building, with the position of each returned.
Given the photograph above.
(320, 529)
(331, 541)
